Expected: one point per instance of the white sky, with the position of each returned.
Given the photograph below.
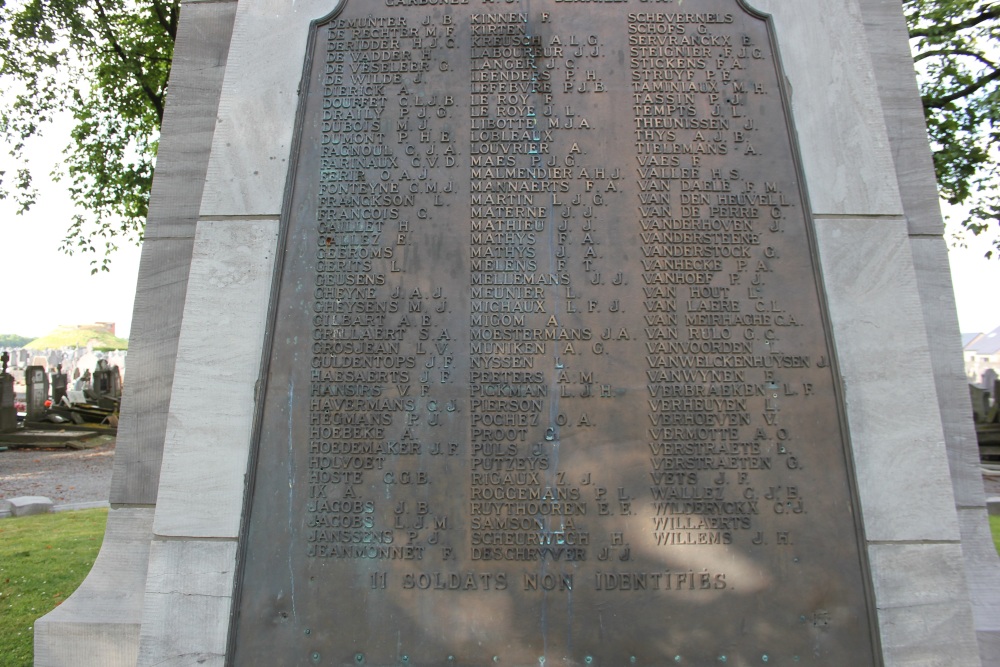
(43, 288)
(976, 281)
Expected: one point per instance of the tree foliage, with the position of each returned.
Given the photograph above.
(956, 47)
(13, 340)
(106, 64)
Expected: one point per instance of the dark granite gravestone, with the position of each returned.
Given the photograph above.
(107, 381)
(8, 412)
(36, 383)
(59, 382)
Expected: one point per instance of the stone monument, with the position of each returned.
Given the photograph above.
(8, 411)
(36, 383)
(542, 333)
(107, 383)
(59, 381)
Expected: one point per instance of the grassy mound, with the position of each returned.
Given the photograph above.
(80, 336)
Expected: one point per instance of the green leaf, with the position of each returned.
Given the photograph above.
(955, 44)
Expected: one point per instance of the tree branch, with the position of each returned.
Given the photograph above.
(154, 98)
(938, 102)
(951, 28)
(167, 22)
(954, 52)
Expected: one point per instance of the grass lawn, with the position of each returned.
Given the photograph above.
(43, 559)
(995, 529)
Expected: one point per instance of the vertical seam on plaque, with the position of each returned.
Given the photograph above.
(291, 487)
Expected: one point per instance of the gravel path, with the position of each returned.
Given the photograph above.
(65, 476)
(991, 481)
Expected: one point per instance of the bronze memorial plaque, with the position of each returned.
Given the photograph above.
(549, 378)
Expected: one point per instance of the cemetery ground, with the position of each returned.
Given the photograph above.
(63, 475)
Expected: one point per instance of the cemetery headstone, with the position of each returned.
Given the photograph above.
(83, 383)
(989, 379)
(59, 382)
(8, 411)
(107, 381)
(36, 382)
